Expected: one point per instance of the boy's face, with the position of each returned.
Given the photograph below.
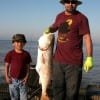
(18, 45)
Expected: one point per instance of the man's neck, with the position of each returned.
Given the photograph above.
(70, 13)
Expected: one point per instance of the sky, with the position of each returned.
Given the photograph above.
(32, 17)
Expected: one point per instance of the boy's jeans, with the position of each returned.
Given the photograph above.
(66, 81)
(18, 91)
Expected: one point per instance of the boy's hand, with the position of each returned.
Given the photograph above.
(47, 31)
(25, 80)
(88, 64)
(8, 80)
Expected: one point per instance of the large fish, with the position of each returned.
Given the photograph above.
(44, 62)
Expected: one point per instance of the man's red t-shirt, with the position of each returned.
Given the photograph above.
(71, 29)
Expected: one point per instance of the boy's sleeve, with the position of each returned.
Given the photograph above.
(8, 57)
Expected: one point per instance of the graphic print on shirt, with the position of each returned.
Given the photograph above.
(63, 30)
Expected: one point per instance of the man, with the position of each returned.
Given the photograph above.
(72, 28)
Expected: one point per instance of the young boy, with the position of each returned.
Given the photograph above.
(17, 62)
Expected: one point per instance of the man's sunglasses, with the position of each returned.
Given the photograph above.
(72, 2)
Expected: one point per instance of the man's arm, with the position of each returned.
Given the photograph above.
(88, 44)
(88, 64)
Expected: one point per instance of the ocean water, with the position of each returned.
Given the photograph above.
(93, 77)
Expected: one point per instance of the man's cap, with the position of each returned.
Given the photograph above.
(65, 1)
(19, 37)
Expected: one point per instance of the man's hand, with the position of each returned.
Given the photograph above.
(88, 64)
(47, 31)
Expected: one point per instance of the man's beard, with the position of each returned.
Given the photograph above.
(70, 10)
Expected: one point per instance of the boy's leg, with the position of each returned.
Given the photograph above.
(14, 90)
(23, 91)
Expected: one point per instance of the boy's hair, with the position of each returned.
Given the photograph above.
(19, 37)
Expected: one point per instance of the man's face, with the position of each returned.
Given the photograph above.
(70, 7)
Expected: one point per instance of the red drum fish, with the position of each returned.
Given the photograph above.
(44, 62)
